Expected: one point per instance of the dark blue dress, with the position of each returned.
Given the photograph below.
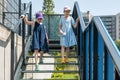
(39, 41)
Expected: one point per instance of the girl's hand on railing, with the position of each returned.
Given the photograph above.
(47, 41)
(22, 16)
(78, 19)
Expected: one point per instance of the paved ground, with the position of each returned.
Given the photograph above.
(41, 67)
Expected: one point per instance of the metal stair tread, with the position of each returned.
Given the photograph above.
(59, 50)
(52, 56)
(50, 71)
(54, 45)
(53, 64)
(54, 39)
(49, 79)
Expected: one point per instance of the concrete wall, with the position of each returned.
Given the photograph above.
(5, 52)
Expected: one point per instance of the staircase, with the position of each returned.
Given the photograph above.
(57, 70)
(96, 56)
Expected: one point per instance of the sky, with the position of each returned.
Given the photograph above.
(96, 7)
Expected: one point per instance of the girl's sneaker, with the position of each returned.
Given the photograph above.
(41, 61)
(36, 67)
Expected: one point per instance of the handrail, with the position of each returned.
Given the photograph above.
(114, 52)
(76, 5)
(109, 43)
(14, 29)
(107, 38)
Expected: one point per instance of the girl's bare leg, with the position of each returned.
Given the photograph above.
(62, 51)
(67, 54)
(36, 56)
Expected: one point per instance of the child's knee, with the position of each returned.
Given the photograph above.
(35, 51)
(62, 47)
(67, 48)
(41, 52)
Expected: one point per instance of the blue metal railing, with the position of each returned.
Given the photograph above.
(99, 57)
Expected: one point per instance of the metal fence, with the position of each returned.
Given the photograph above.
(51, 22)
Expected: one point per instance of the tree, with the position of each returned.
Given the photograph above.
(48, 6)
(117, 42)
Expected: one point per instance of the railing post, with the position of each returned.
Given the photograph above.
(3, 17)
(23, 37)
(86, 55)
(100, 58)
(91, 51)
(49, 26)
(12, 56)
(30, 18)
(95, 53)
(109, 67)
(19, 16)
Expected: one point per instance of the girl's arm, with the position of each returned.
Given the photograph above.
(26, 21)
(47, 38)
(76, 23)
(60, 27)
(46, 35)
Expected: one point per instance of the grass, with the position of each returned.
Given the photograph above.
(64, 67)
(70, 76)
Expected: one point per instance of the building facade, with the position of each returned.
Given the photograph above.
(87, 17)
(110, 23)
(118, 26)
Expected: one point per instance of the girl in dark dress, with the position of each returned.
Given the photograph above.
(40, 39)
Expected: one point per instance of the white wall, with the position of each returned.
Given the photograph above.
(5, 52)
